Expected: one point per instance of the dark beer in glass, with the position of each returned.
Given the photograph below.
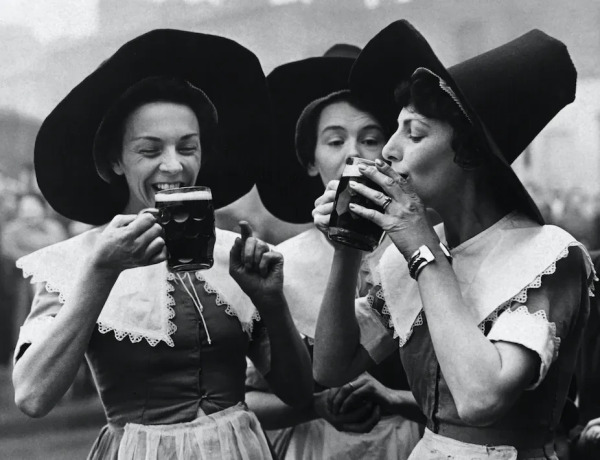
(188, 219)
(346, 227)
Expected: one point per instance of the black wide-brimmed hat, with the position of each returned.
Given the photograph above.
(285, 187)
(227, 73)
(509, 93)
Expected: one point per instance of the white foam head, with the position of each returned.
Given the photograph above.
(194, 195)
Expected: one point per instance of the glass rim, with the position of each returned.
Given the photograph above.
(191, 188)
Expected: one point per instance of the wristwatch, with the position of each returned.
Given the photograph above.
(423, 256)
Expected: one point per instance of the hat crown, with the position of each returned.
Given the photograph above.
(517, 88)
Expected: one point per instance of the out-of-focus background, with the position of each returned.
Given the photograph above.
(48, 46)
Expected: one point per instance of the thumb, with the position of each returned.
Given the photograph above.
(245, 229)
(235, 255)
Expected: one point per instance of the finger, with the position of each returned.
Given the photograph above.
(392, 183)
(370, 214)
(121, 220)
(149, 235)
(327, 197)
(367, 425)
(332, 185)
(245, 229)
(155, 212)
(159, 257)
(260, 249)
(141, 223)
(248, 253)
(340, 396)
(324, 209)
(269, 260)
(155, 247)
(355, 398)
(377, 197)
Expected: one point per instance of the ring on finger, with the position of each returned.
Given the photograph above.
(386, 202)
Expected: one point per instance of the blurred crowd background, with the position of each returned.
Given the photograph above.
(48, 46)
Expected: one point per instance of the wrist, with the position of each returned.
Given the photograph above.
(102, 269)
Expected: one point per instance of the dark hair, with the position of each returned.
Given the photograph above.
(424, 94)
(108, 141)
(307, 126)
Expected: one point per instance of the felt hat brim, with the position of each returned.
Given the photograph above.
(230, 76)
(530, 79)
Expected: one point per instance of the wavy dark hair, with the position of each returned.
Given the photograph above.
(424, 93)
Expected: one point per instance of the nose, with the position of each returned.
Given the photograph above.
(392, 150)
(170, 163)
(353, 149)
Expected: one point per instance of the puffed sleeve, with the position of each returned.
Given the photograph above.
(44, 308)
(376, 333)
(259, 350)
(550, 312)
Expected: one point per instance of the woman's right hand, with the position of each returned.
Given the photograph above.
(324, 206)
(360, 419)
(129, 241)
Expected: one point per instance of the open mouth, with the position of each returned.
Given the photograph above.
(161, 186)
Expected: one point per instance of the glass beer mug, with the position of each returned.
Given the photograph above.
(346, 227)
(188, 219)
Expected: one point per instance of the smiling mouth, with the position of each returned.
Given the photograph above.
(166, 186)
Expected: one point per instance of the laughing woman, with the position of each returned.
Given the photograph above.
(168, 352)
(488, 331)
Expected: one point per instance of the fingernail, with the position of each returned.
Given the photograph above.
(352, 184)
(352, 206)
(378, 162)
(362, 167)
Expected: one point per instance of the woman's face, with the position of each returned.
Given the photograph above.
(422, 149)
(342, 132)
(161, 150)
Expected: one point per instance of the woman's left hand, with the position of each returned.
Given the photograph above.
(354, 394)
(404, 218)
(252, 264)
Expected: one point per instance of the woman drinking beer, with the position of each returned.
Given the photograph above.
(488, 331)
(168, 349)
(319, 126)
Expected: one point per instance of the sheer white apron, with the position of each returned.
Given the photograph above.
(436, 447)
(233, 433)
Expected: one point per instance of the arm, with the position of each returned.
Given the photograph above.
(338, 355)
(259, 272)
(48, 366)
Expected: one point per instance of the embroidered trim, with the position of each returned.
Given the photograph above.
(135, 338)
(533, 331)
(520, 297)
(41, 276)
(220, 301)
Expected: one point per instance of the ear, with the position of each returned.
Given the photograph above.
(117, 168)
(312, 170)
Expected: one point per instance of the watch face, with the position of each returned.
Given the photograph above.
(426, 253)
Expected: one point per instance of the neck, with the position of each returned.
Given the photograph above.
(469, 213)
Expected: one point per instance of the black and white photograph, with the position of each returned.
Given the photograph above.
(299, 230)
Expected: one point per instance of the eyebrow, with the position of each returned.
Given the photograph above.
(158, 139)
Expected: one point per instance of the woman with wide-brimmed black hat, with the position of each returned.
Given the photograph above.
(319, 125)
(169, 109)
(488, 331)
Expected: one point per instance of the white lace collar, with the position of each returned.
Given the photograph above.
(307, 259)
(493, 268)
(140, 304)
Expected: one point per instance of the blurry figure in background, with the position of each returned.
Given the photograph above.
(31, 229)
(585, 438)
(366, 418)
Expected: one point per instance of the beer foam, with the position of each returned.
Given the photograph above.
(195, 195)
